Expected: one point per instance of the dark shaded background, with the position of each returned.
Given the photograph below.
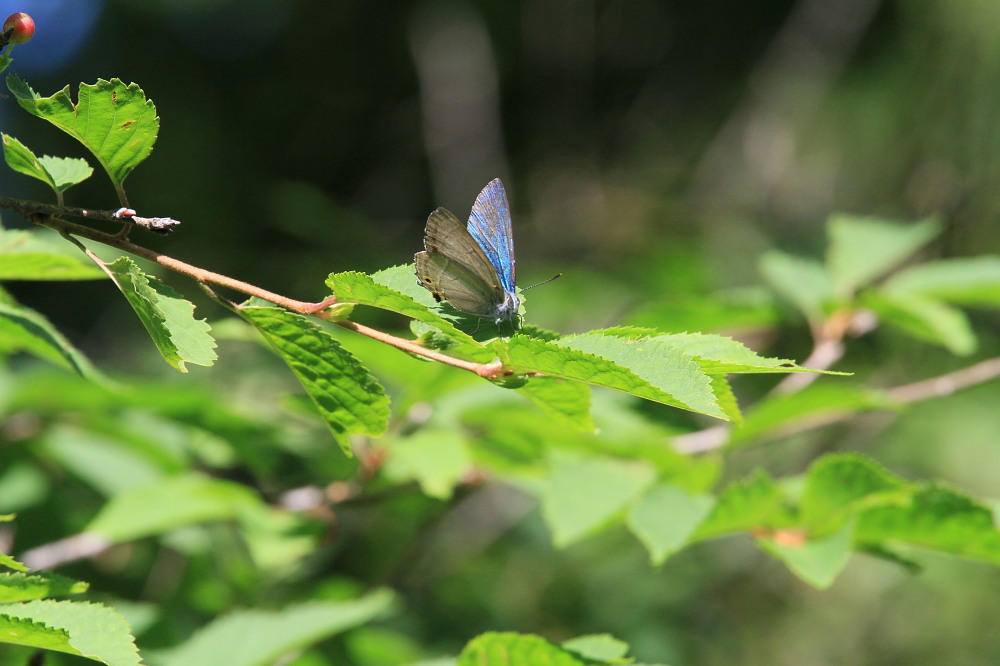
(300, 138)
(648, 148)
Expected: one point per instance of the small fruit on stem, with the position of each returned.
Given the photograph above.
(21, 27)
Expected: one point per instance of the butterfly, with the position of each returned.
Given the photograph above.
(472, 266)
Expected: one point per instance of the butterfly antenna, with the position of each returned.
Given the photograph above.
(557, 275)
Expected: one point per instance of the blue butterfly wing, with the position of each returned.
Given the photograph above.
(489, 224)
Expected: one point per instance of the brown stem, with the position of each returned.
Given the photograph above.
(199, 274)
(66, 228)
(487, 370)
(935, 387)
(947, 383)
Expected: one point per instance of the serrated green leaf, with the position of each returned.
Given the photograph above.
(816, 561)
(527, 355)
(510, 649)
(167, 316)
(25, 587)
(925, 319)
(23, 631)
(665, 518)
(726, 399)
(436, 458)
(803, 282)
(779, 412)
(581, 495)
(9, 562)
(936, 518)
(113, 120)
(752, 503)
(562, 399)
(167, 504)
(28, 255)
(862, 249)
(263, 637)
(94, 631)
(23, 329)
(389, 290)
(965, 281)
(347, 396)
(718, 354)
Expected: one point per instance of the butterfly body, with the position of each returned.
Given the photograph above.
(472, 266)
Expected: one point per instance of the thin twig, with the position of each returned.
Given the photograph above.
(199, 274)
(487, 370)
(926, 389)
(28, 209)
(948, 383)
(65, 227)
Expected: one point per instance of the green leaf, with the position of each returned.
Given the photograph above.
(925, 319)
(803, 282)
(599, 647)
(20, 158)
(645, 368)
(66, 171)
(9, 562)
(752, 503)
(562, 399)
(385, 290)
(581, 495)
(724, 395)
(937, 518)
(90, 630)
(167, 316)
(862, 249)
(23, 329)
(816, 561)
(778, 413)
(720, 355)
(167, 504)
(436, 458)
(113, 120)
(666, 517)
(21, 631)
(28, 255)
(25, 587)
(59, 173)
(510, 649)
(345, 393)
(262, 638)
(840, 485)
(966, 281)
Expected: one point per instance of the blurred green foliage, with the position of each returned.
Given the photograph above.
(654, 151)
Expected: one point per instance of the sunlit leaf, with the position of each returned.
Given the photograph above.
(347, 396)
(167, 316)
(113, 120)
(90, 630)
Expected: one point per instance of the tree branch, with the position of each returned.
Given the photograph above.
(42, 214)
(716, 437)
